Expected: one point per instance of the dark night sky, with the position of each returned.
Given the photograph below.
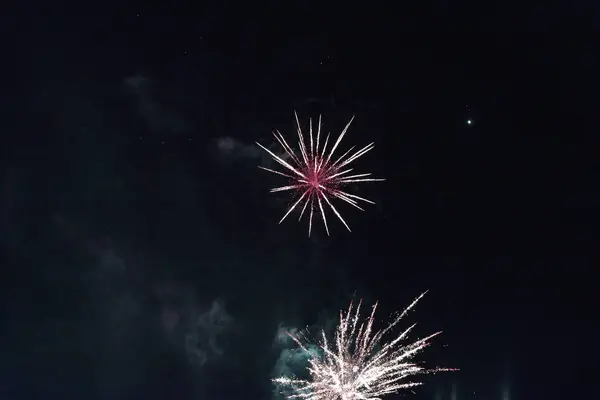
(131, 205)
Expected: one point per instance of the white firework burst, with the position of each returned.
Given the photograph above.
(315, 176)
(359, 364)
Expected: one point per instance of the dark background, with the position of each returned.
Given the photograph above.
(131, 206)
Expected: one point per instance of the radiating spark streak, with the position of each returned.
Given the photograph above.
(301, 140)
(339, 139)
(277, 172)
(336, 213)
(318, 137)
(292, 207)
(357, 197)
(284, 188)
(311, 137)
(323, 215)
(286, 146)
(311, 214)
(360, 180)
(282, 162)
(322, 158)
(342, 156)
(356, 155)
(338, 174)
(348, 200)
(358, 364)
(303, 208)
(314, 176)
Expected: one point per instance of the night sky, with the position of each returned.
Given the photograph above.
(140, 251)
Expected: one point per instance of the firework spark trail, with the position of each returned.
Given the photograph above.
(358, 364)
(315, 176)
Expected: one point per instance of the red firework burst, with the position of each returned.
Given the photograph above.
(315, 176)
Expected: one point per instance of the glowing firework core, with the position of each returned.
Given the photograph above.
(315, 176)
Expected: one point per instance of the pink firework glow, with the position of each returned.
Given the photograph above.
(315, 176)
